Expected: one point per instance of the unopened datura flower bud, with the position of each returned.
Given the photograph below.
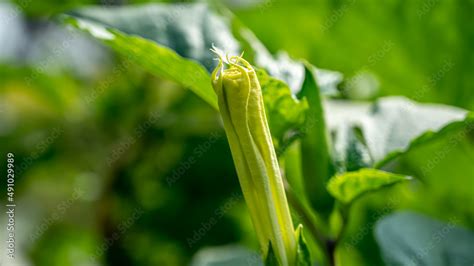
(242, 109)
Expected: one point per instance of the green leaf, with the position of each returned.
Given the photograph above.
(157, 59)
(317, 163)
(347, 187)
(192, 29)
(188, 29)
(461, 120)
(285, 113)
(226, 256)
(303, 257)
(366, 135)
(271, 259)
(407, 238)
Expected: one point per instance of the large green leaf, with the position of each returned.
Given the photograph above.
(317, 164)
(407, 238)
(366, 135)
(188, 29)
(349, 186)
(192, 29)
(157, 59)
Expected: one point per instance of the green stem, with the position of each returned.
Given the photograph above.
(313, 223)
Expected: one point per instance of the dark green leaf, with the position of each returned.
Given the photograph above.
(157, 59)
(317, 163)
(347, 187)
(407, 238)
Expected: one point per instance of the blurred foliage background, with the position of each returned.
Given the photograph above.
(118, 167)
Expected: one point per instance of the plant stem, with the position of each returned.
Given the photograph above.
(312, 222)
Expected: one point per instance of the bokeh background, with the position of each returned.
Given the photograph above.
(118, 167)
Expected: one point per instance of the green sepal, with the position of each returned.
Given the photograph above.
(271, 259)
(303, 256)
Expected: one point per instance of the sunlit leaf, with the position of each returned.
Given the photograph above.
(157, 59)
(349, 186)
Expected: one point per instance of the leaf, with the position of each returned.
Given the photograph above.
(372, 135)
(226, 256)
(303, 257)
(317, 163)
(467, 124)
(407, 238)
(349, 186)
(285, 113)
(192, 29)
(188, 29)
(157, 59)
